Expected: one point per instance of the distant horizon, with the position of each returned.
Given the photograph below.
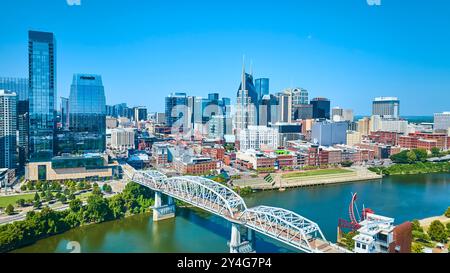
(349, 52)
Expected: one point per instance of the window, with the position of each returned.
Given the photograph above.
(364, 246)
(42, 172)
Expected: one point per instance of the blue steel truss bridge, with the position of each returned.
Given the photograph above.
(280, 224)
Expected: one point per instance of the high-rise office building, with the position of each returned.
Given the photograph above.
(299, 96)
(42, 94)
(262, 87)
(8, 127)
(326, 133)
(386, 107)
(285, 107)
(176, 109)
(140, 113)
(246, 103)
(442, 122)
(268, 110)
(64, 113)
(87, 116)
(16, 85)
(20, 87)
(321, 108)
(302, 111)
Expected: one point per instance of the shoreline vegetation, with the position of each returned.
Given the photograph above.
(134, 199)
(413, 168)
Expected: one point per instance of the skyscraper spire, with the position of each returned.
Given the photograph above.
(251, 67)
(243, 72)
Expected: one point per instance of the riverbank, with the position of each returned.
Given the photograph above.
(98, 209)
(415, 168)
(312, 178)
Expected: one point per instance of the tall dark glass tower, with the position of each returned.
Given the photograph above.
(42, 94)
(262, 87)
(87, 116)
(321, 108)
(176, 105)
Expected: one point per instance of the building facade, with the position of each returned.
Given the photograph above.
(386, 107)
(8, 127)
(42, 94)
(321, 108)
(258, 137)
(327, 133)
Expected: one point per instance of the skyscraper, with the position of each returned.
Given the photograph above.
(246, 103)
(16, 85)
(8, 127)
(140, 113)
(87, 116)
(262, 87)
(42, 94)
(299, 96)
(20, 87)
(321, 108)
(176, 108)
(64, 113)
(386, 107)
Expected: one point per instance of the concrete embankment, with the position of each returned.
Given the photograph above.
(276, 181)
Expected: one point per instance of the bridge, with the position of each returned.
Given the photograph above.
(280, 224)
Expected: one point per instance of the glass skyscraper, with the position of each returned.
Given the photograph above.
(42, 94)
(262, 87)
(87, 116)
(176, 108)
(321, 108)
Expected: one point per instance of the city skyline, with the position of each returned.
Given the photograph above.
(208, 59)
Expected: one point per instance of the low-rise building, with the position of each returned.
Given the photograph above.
(252, 159)
(71, 167)
(195, 165)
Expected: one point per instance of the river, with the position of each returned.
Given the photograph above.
(401, 197)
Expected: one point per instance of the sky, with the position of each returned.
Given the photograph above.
(346, 50)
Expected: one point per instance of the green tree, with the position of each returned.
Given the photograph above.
(411, 155)
(437, 231)
(21, 202)
(416, 248)
(421, 154)
(37, 197)
(447, 213)
(107, 188)
(9, 209)
(75, 205)
(435, 151)
(23, 187)
(62, 198)
(97, 209)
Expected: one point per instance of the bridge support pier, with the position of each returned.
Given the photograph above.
(239, 246)
(160, 211)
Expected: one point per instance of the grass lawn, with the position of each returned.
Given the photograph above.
(316, 172)
(6, 200)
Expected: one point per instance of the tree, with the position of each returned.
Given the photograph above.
(37, 197)
(347, 163)
(62, 199)
(437, 231)
(416, 248)
(97, 209)
(416, 225)
(96, 191)
(75, 205)
(9, 209)
(411, 155)
(447, 213)
(23, 187)
(421, 154)
(20, 202)
(435, 151)
(107, 188)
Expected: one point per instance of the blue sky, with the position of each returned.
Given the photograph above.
(345, 50)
